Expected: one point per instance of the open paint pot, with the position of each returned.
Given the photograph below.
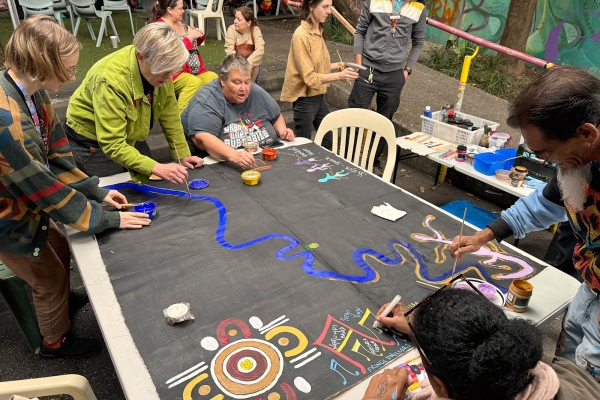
(251, 146)
(491, 292)
(198, 184)
(519, 294)
(251, 178)
(148, 207)
(269, 154)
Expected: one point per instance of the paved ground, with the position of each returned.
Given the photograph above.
(425, 87)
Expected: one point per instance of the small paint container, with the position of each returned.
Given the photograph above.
(251, 177)
(198, 184)
(517, 176)
(519, 294)
(148, 207)
(251, 146)
(461, 153)
(269, 154)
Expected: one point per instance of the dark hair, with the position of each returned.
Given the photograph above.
(558, 102)
(305, 12)
(248, 15)
(159, 9)
(478, 352)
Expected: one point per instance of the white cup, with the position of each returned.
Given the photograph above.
(113, 40)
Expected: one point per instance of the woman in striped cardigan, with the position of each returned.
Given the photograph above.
(40, 184)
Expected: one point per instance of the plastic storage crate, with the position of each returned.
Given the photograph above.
(489, 163)
(452, 133)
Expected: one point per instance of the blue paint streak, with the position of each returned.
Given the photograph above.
(308, 263)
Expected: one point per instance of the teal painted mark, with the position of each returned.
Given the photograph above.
(562, 32)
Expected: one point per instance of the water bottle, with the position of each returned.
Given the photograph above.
(428, 113)
(427, 123)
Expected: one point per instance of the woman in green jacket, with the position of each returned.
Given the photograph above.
(121, 98)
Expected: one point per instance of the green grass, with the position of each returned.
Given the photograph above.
(484, 73)
(336, 32)
(212, 53)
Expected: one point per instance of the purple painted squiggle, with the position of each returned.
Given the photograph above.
(494, 256)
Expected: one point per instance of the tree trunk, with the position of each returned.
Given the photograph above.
(515, 34)
(346, 8)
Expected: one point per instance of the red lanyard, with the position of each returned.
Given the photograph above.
(395, 21)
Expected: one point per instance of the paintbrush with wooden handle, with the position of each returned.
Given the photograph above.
(459, 240)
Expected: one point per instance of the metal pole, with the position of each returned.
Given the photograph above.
(14, 14)
(491, 45)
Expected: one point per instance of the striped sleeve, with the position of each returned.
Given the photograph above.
(36, 187)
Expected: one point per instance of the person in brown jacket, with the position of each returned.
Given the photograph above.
(471, 351)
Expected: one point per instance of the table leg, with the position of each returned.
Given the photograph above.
(440, 175)
(396, 162)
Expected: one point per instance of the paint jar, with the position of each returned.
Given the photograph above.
(251, 177)
(461, 153)
(470, 158)
(251, 146)
(148, 207)
(519, 294)
(269, 154)
(518, 175)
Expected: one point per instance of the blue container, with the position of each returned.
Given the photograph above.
(148, 207)
(489, 163)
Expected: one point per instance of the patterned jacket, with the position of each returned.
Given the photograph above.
(35, 186)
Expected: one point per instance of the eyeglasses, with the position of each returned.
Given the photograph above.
(412, 329)
(72, 72)
(546, 161)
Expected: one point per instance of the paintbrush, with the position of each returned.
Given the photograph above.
(459, 240)
(342, 61)
(122, 205)
(429, 286)
(187, 186)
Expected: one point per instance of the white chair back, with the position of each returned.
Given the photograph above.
(356, 134)
(84, 8)
(32, 7)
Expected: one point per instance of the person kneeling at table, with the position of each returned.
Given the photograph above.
(472, 351)
(39, 183)
(121, 98)
(226, 113)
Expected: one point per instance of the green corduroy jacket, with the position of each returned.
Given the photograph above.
(110, 107)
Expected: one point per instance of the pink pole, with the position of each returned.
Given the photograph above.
(493, 46)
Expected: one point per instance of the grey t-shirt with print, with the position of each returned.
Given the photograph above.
(209, 111)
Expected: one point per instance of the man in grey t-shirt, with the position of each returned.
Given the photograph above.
(227, 112)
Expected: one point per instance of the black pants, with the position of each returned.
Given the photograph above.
(308, 113)
(387, 86)
(93, 162)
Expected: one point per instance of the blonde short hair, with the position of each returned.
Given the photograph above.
(162, 47)
(37, 47)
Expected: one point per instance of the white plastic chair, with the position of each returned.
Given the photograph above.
(352, 125)
(74, 385)
(47, 7)
(85, 9)
(119, 6)
(207, 12)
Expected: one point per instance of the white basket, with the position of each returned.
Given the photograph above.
(452, 133)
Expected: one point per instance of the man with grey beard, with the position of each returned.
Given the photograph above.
(559, 117)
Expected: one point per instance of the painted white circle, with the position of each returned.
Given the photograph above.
(250, 341)
(302, 385)
(260, 378)
(177, 310)
(209, 343)
(255, 322)
(242, 368)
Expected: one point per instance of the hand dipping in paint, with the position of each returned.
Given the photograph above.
(391, 384)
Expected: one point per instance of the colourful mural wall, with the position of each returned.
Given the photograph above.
(563, 31)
